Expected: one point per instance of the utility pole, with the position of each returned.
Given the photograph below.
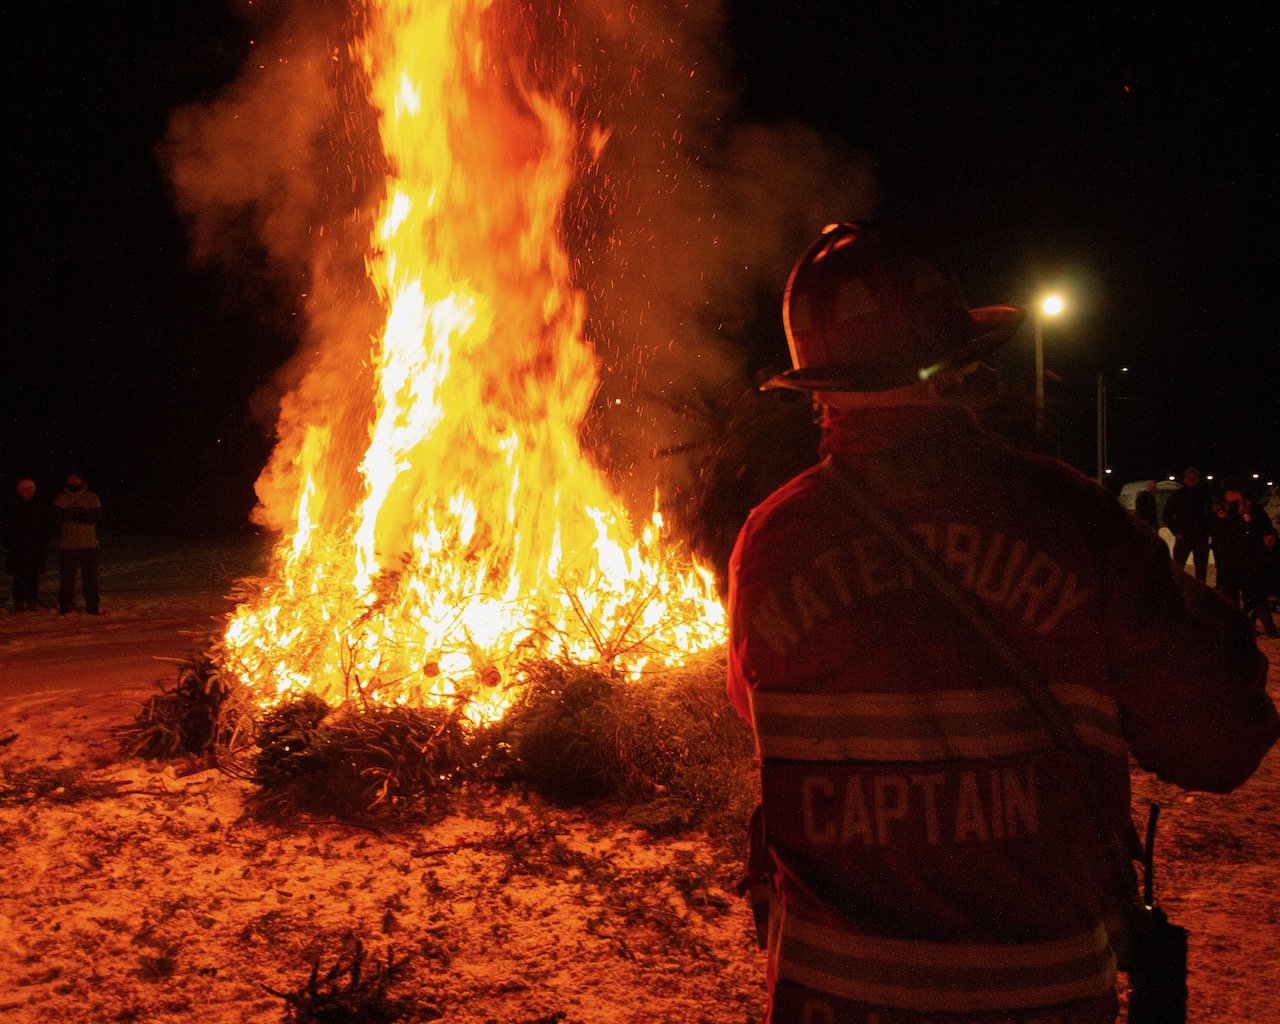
(1038, 331)
(1100, 400)
(1048, 305)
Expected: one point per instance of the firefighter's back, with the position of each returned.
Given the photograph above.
(936, 854)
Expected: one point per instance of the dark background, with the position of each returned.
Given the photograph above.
(1123, 155)
(1115, 151)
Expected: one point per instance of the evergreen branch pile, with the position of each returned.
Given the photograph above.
(668, 745)
(671, 743)
(360, 761)
(202, 713)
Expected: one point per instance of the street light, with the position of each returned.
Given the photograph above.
(1101, 407)
(1049, 305)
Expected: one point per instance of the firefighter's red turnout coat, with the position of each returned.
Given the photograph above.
(932, 856)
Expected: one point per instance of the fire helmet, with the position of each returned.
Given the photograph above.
(866, 309)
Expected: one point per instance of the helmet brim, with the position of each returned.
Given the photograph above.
(988, 328)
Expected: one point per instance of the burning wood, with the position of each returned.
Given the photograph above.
(468, 532)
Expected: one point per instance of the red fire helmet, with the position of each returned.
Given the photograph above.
(867, 310)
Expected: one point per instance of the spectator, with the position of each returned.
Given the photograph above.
(1236, 536)
(1188, 514)
(1144, 505)
(1264, 583)
(77, 511)
(26, 540)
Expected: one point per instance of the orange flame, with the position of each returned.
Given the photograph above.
(482, 536)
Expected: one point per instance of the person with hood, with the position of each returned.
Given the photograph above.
(1144, 505)
(934, 845)
(26, 541)
(77, 511)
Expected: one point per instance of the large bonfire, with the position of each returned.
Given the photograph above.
(479, 536)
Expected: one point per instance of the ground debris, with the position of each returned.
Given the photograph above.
(351, 992)
(24, 785)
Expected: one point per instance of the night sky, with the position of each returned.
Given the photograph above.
(1124, 155)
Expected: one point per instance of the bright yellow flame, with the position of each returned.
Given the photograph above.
(480, 536)
(1051, 305)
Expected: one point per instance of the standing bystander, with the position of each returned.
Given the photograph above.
(77, 511)
(26, 540)
(1188, 514)
(1236, 533)
(1264, 584)
(1144, 505)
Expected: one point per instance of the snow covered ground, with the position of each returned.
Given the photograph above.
(132, 891)
(135, 891)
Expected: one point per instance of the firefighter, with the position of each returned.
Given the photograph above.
(927, 856)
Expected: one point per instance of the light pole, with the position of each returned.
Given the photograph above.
(1050, 305)
(1101, 429)
(1102, 402)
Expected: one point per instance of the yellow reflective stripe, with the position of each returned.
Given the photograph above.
(1096, 717)
(924, 726)
(869, 748)
(918, 953)
(924, 1001)
(873, 704)
(1105, 740)
(1084, 696)
(942, 702)
(943, 975)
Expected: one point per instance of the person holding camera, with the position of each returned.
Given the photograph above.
(77, 511)
(947, 649)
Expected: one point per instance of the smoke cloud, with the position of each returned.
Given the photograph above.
(682, 214)
(697, 213)
(277, 178)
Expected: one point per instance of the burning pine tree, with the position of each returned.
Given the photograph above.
(467, 532)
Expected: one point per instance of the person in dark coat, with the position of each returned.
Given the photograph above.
(1236, 536)
(26, 540)
(1188, 514)
(1264, 583)
(1144, 505)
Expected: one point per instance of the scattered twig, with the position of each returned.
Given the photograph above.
(349, 992)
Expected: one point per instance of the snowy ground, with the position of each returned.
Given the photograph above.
(130, 891)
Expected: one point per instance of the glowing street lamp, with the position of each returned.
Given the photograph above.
(1049, 305)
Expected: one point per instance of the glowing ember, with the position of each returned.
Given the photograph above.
(479, 535)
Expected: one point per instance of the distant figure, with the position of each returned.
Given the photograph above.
(77, 511)
(1187, 514)
(1236, 535)
(1264, 584)
(26, 541)
(1145, 505)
